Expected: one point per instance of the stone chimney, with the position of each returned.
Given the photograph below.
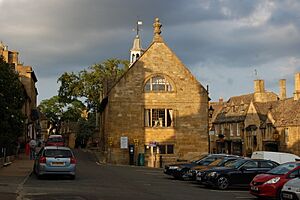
(297, 87)
(259, 86)
(260, 95)
(282, 89)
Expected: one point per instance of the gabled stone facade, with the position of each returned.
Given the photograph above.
(158, 107)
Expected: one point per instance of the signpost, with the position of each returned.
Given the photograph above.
(124, 142)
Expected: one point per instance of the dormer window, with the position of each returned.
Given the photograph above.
(158, 84)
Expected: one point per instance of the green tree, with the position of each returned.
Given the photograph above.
(12, 98)
(90, 85)
(86, 129)
(93, 83)
(57, 111)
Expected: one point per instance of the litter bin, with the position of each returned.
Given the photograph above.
(141, 159)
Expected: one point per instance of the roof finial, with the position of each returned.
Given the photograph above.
(2, 46)
(157, 30)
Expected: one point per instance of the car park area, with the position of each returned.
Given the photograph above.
(263, 178)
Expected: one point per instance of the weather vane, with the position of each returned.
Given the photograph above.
(255, 73)
(138, 24)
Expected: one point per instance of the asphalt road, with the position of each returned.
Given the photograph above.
(110, 182)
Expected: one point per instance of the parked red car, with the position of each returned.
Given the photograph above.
(269, 185)
(55, 140)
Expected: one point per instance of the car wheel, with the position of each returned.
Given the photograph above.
(223, 183)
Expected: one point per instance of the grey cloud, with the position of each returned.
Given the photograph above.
(57, 36)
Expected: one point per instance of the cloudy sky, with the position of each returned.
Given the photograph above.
(222, 42)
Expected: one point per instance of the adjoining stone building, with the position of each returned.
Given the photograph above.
(28, 79)
(229, 125)
(261, 121)
(275, 126)
(157, 109)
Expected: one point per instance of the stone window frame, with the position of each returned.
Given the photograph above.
(167, 82)
(166, 150)
(150, 122)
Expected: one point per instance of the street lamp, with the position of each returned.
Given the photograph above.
(210, 114)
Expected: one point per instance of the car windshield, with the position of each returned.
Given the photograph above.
(55, 139)
(58, 153)
(217, 162)
(227, 162)
(197, 159)
(283, 169)
(236, 164)
(206, 161)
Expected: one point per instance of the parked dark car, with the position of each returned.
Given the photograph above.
(220, 162)
(55, 160)
(170, 169)
(241, 172)
(269, 184)
(181, 169)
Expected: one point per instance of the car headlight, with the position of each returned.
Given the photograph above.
(173, 167)
(213, 174)
(273, 180)
(199, 173)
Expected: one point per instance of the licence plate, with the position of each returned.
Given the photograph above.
(57, 164)
(198, 178)
(254, 188)
(287, 196)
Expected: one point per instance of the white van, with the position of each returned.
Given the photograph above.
(278, 157)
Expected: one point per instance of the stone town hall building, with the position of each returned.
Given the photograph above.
(157, 110)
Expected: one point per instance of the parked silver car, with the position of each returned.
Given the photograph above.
(55, 160)
(291, 189)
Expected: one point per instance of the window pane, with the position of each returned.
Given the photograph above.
(162, 149)
(147, 86)
(158, 83)
(170, 149)
(158, 117)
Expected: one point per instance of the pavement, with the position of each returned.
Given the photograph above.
(13, 177)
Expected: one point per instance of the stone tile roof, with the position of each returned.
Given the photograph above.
(263, 109)
(286, 112)
(234, 110)
(247, 98)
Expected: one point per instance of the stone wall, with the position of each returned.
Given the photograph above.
(124, 114)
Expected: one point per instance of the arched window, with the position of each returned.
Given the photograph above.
(158, 84)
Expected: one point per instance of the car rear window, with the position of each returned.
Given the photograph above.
(55, 139)
(58, 153)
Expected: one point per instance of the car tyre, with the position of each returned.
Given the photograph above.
(222, 183)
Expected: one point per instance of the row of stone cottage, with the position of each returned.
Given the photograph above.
(158, 110)
(261, 120)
